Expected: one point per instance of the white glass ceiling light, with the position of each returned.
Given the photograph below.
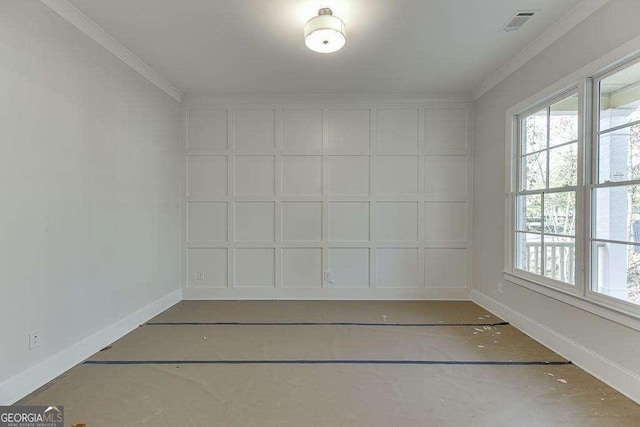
(325, 33)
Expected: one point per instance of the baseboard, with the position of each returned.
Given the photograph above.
(31, 379)
(607, 371)
(446, 294)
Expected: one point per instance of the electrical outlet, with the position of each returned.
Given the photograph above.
(500, 288)
(200, 275)
(328, 276)
(34, 340)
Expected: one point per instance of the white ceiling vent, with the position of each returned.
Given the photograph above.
(518, 20)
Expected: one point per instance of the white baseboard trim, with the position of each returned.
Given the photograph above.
(607, 371)
(31, 379)
(446, 294)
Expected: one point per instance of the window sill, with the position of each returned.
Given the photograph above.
(600, 307)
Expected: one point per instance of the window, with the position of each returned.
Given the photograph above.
(615, 186)
(573, 191)
(547, 182)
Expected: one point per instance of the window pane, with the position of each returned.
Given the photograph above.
(618, 99)
(617, 213)
(535, 132)
(548, 161)
(619, 155)
(529, 213)
(560, 258)
(563, 126)
(563, 166)
(534, 171)
(529, 252)
(617, 271)
(560, 213)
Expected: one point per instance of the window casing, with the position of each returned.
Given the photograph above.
(598, 267)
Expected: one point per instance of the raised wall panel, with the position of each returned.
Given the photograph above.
(302, 130)
(302, 175)
(397, 267)
(397, 221)
(397, 175)
(207, 267)
(254, 221)
(254, 130)
(207, 130)
(254, 175)
(207, 176)
(348, 130)
(254, 267)
(349, 222)
(445, 222)
(301, 221)
(445, 268)
(206, 222)
(446, 177)
(446, 130)
(397, 129)
(349, 267)
(349, 175)
(302, 267)
(376, 193)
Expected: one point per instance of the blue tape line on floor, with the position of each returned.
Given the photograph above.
(322, 362)
(318, 324)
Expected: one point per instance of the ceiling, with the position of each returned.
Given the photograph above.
(257, 47)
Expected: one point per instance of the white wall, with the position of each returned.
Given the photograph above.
(608, 28)
(90, 186)
(277, 193)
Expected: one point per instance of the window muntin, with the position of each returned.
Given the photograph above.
(615, 192)
(547, 184)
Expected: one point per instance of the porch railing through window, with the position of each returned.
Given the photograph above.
(553, 259)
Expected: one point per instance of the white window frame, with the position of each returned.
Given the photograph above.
(592, 183)
(579, 295)
(515, 192)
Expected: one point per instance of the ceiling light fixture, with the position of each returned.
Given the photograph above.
(325, 33)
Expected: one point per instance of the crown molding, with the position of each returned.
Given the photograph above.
(334, 99)
(107, 41)
(579, 13)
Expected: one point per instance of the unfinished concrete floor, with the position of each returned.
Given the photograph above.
(215, 363)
